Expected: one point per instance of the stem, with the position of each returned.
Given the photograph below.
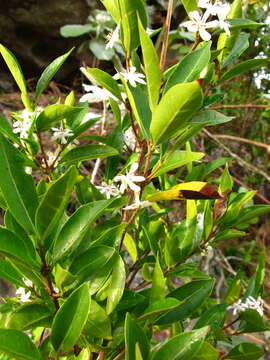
(239, 106)
(240, 139)
(231, 323)
(44, 156)
(166, 36)
(118, 357)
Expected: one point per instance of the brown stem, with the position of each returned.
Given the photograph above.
(226, 326)
(44, 156)
(166, 36)
(118, 357)
(240, 139)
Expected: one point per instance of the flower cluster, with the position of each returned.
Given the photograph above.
(24, 122)
(198, 22)
(131, 76)
(249, 303)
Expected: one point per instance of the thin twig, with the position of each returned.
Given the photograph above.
(118, 357)
(241, 161)
(240, 139)
(239, 106)
(166, 36)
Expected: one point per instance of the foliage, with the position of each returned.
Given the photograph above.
(102, 268)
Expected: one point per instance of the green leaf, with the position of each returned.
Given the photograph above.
(182, 346)
(245, 351)
(112, 7)
(178, 104)
(76, 227)
(243, 23)
(49, 73)
(117, 285)
(158, 288)
(206, 352)
(16, 71)
(229, 234)
(241, 44)
(54, 113)
(16, 186)
(103, 79)
(88, 152)
(189, 5)
(131, 247)
(190, 67)
(98, 323)
(10, 273)
(90, 264)
(70, 319)
(75, 30)
(209, 118)
(17, 248)
(135, 334)
(6, 129)
(214, 317)
(53, 203)
(30, 316)
(251, 321)
(251, 212)
(129, 10)
(243, 67)
(151, 64)
(16, 344)
(98, 48)
(192, 295)
(226, 182)
(177, 159)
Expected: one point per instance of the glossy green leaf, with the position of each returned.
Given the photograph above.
(105, 80)
(88, 152)
(242, 67)
(214, 317)
(245, 351)
(178, 104)
(76, 227)
(18, 345)
(70, 319)
(189, 5)
(241, 44)
(135, 334)
(112, 7)
(54, 113)
(192, 295)
(243, 23)
(251, 321)
(158, 288)
(6, 129)
(229, 234)
(16, 186)
(206, 352)
(30, 316)
(49, 73)
(160, 306)
(90, 264)
(129, 10)
(53, 203)
(151, 64)
(131, 247)
(209, 118)
(117, 285)
(10, 273)
(226, 42)
(182, 346)
(75, 30)
(226, 181)
(190, 67)
(16, 248)
(98, 323)
(176, 159)
(251, 212)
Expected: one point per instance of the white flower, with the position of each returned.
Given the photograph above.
(112, 38)
(25, 121)
(138, 205)
(131, 76)
(255, 304)
(198, 24)
(108, 190)
(129, 138)
(225, 26)
(96, 94)
(28, 282)
(24, 297)
(250, 303)
(129, 179)
(61, 134)
(90, 115)
(56, 290)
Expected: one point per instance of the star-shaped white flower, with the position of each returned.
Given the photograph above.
(250, 303)
(113, 38)
(129, 179)
(95, 94)
(61, 134)
(108, 190)
(24, 296)
(199, 24)
(138, 205)
(131, 76)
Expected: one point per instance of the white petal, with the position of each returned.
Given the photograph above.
(133, 186)
(137, 178)
(195, 15)
(211, 24)
(206, 36)
(133, 168)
